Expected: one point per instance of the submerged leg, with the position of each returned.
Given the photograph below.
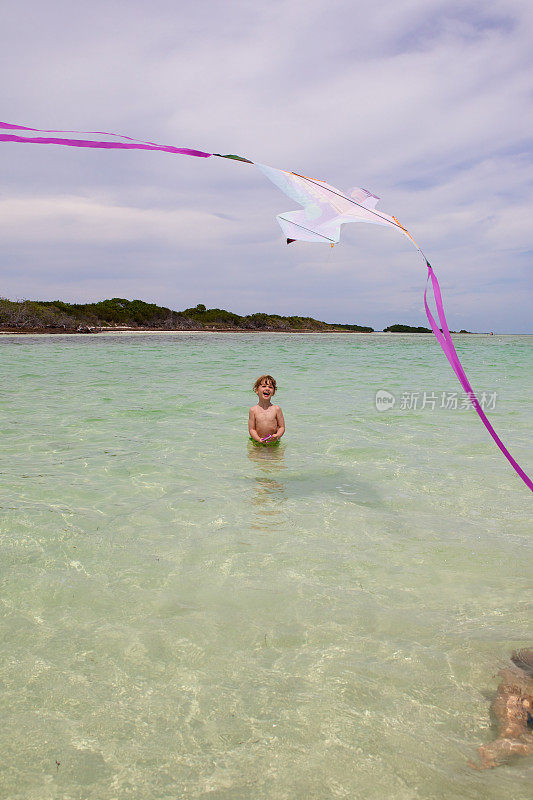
(500, 750)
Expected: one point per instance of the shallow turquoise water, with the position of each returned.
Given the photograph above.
(186, 616)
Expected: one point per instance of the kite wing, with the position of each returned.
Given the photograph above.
(326, 208)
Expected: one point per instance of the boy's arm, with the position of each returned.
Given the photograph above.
(251, 426)
(281, 424)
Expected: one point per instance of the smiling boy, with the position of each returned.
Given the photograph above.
(265, 422)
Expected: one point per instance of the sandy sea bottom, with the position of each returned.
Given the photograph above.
(186, 616)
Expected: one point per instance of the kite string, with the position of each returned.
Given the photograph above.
(445, 341)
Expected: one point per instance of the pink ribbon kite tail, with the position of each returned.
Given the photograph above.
(131, 144)
(445, 341)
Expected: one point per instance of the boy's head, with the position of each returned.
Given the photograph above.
(265, 382)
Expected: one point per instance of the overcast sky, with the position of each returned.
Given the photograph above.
(426, 103)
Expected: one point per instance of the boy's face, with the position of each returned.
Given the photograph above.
(265, 390)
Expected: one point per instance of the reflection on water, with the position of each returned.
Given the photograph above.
(269, 491)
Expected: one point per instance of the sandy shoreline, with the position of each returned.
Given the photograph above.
(190, 331)
(61, 332)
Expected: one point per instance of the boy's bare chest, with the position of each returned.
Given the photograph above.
(265, 413)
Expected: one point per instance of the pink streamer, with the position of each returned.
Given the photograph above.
(445, 341)
(11, 127)
(136, 144)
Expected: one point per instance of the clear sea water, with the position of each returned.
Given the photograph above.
(186, 616)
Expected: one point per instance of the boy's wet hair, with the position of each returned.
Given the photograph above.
(265, 379)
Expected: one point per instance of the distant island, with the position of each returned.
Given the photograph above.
(119, 314)
(55, 316)
(398, 328)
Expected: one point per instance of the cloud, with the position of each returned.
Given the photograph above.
(426, 103)
(84, 221)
